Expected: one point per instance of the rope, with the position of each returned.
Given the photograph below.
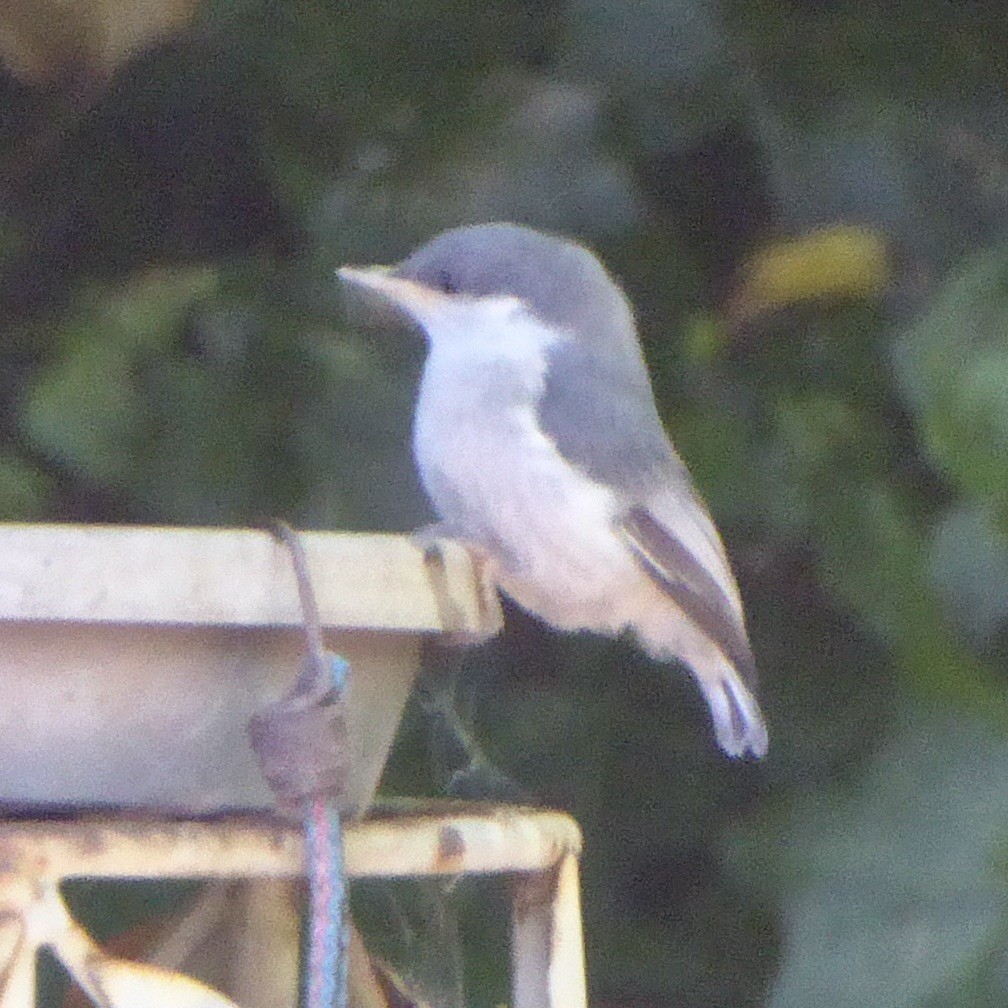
(326, 974)
(326, 981)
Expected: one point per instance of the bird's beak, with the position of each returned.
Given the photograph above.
(408, 295)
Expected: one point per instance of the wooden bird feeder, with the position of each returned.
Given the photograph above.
(131, 660)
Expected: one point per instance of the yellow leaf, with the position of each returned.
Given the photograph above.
(123, 984)
(106, 979)
(42, 41)
(837, 262)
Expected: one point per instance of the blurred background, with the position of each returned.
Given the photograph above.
(807, 203)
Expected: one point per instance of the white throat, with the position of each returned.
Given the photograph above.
(476, 409)
(478, 332)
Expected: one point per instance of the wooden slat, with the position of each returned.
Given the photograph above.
(120, 574)
(547, 947)
(538, 847)
(488, 841)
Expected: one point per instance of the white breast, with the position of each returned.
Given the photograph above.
(492, 473)
(481, 380)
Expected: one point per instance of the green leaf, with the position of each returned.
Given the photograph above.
(969, 568)
(953, 367)
(893, 891)
(87, 409)
(23, 490)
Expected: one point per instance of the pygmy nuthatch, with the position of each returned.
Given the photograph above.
(539, 444)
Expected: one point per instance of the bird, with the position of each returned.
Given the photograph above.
(538, 441)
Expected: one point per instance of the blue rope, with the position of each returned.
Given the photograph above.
(326, 973)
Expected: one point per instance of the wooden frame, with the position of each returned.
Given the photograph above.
(152, 647)
(537, 849)
(131, 659)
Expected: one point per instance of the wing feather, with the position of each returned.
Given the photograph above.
(704, 592)
(597, 407)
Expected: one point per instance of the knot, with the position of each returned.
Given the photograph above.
(301, 739)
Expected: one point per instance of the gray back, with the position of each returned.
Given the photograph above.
(597, 403)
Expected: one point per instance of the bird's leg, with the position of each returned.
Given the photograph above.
(431, 539)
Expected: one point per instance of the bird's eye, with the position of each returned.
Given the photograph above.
(445, 283)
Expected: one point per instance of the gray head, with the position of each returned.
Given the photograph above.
(560, 282)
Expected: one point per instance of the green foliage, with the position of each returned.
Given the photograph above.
(176, 349)
(953, 366)
(86, 410)
(891, 889)
(969, 568)
(23, 490)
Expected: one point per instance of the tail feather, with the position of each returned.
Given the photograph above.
(738, 722)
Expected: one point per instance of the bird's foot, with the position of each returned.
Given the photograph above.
(432, 540)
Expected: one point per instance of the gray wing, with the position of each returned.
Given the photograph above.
(600, 413)
(702, 588)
